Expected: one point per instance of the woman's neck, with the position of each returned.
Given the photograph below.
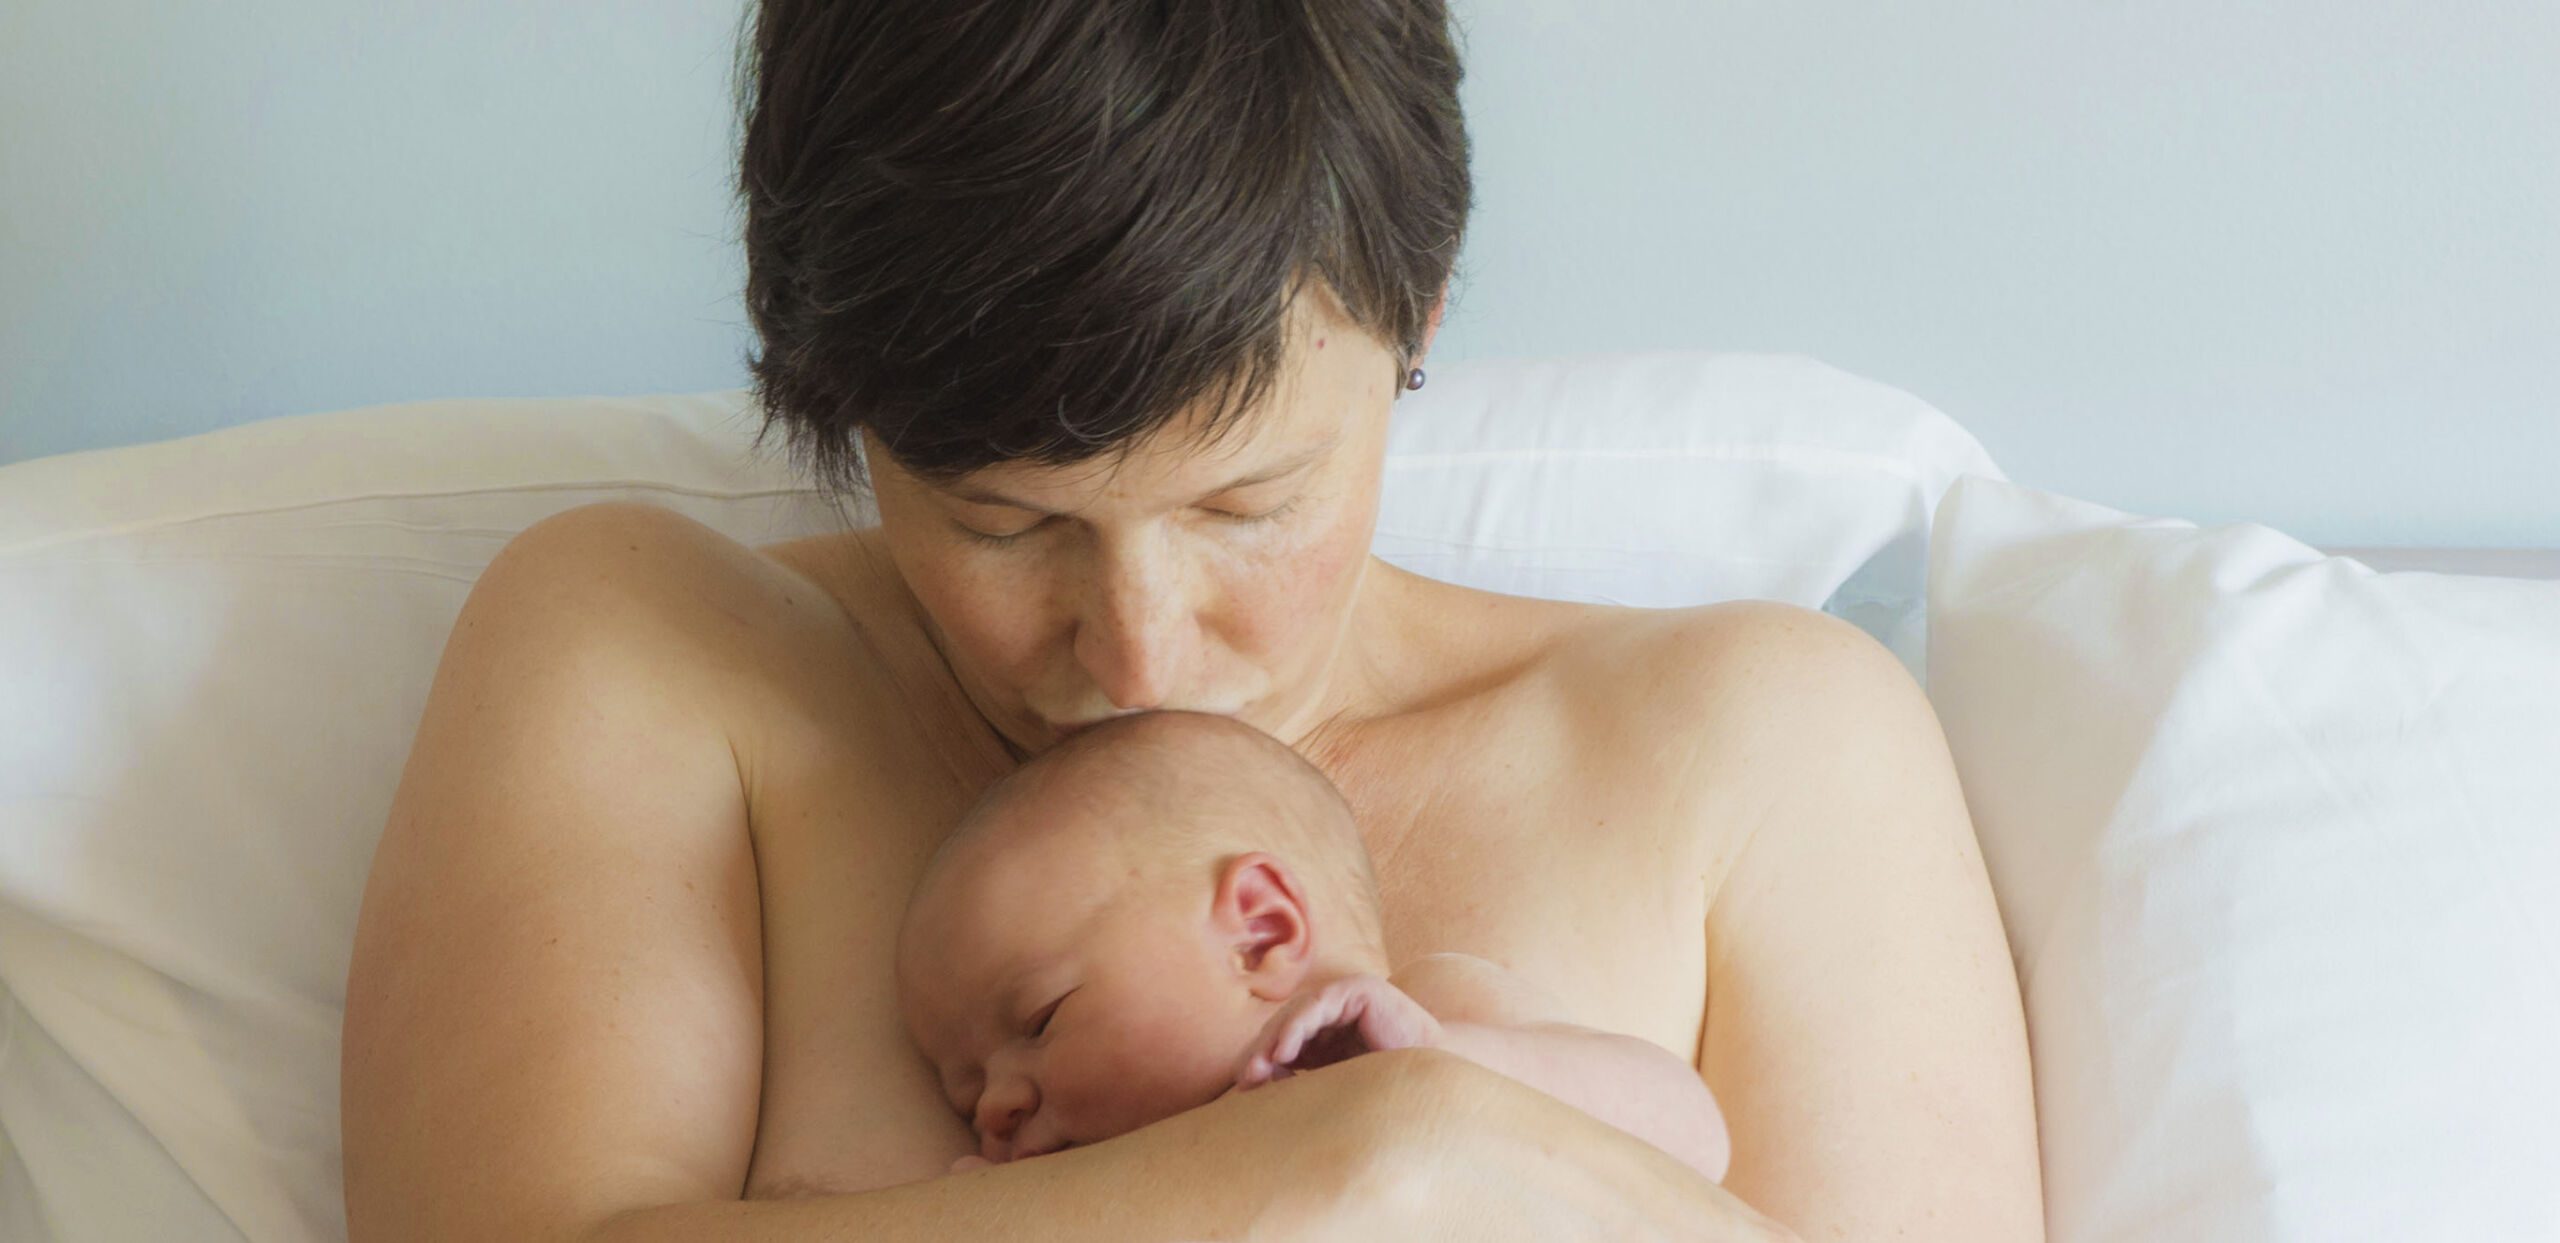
(1367, 676)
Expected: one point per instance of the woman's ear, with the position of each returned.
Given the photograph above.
(1260, 912)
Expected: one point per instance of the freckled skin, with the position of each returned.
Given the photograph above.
(1145, 580)
(1215, 573)
(1218, 569)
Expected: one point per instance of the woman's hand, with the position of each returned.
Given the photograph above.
(1454, 1150)
(1344, 1018)
(1451, 1150)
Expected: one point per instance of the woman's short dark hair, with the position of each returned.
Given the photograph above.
(1036, 230)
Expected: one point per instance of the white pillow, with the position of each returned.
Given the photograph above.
(214, 652)
(213, 655)
(1675, 478)
(2277, 839)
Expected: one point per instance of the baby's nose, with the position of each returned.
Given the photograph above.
(1000, 1114)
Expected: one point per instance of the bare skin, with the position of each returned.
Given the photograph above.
(626, 954)
(1171, 909)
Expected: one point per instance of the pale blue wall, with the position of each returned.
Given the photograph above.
(219, 212)
(2295, 261)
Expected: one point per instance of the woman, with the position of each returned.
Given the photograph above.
(1106, 304)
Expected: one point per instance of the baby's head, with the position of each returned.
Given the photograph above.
(1103, 935)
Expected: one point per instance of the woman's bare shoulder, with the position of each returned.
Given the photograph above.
(1700, 674)
(1858, 868)
(1614, 674)
(797, 644)
(1839, 851)
(752, 618)
(672, 574)
(1627, 647)
(1716, 712)
(573, 767)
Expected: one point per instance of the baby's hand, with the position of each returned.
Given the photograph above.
(1350, 1016)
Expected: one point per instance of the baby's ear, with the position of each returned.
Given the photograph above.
(1261, 912)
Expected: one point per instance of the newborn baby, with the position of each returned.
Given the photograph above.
(1168, 907)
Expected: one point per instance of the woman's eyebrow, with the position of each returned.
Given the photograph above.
(1278, 470)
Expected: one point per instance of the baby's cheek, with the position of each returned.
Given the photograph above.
(1154, 1071)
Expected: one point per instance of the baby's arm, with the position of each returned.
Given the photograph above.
(1479, 1011)
(1494, 1018)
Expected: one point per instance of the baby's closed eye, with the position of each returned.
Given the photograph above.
(1040, 1022)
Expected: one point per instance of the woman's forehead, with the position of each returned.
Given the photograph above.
(1334, 378)
(1175, 464)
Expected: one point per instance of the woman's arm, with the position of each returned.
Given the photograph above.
(554, 1001)
(554, 1025)
(1411, 1144)
(1864, 1033)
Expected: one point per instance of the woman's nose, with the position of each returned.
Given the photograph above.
(1131, 639)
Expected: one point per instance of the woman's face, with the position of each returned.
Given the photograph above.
(1216, 576)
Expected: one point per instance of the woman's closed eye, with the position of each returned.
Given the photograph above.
(1262, 516)
(999, 540)
(1229, 516)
